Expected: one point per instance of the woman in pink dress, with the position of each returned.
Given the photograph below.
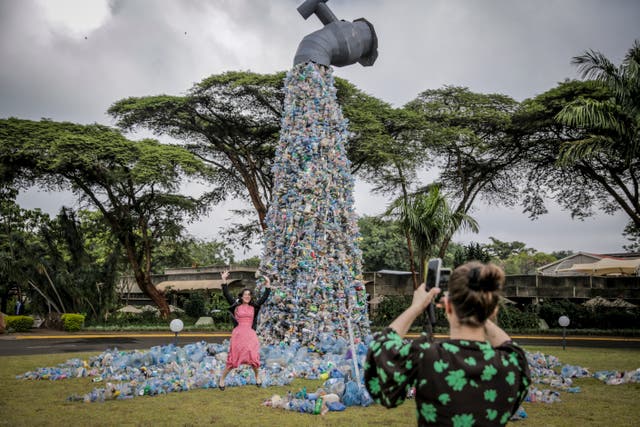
(244, 347)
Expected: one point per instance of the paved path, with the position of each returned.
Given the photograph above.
(48, 342)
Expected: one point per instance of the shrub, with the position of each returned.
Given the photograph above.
(510, 317)
(194, 306)
(218, 309)
(582, 317)
(389, 308)
(72, 322)
(19, 323)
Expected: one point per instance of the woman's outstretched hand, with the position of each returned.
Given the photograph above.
(224, 275)
(267, 282)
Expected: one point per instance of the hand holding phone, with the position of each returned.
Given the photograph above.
(433, 281)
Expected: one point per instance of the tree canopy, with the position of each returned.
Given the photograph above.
(133, 184)
(472, 146)
(232, 122)
(582, 140)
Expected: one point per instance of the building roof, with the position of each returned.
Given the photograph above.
(191, 285)
(395, 272)
(554, 268)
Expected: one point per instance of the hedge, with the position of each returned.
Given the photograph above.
(508, 318)
(72, 322)
(19, 323)
(582, 317)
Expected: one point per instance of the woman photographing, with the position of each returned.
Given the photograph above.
(476, 377)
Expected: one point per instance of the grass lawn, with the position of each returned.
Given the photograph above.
(31, 403)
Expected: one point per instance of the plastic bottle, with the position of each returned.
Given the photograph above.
(318, 406)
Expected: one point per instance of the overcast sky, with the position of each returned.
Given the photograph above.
(71, 59)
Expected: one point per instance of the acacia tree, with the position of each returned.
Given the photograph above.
(567, 164)
(612, 126)
(472, 146)
(134, 185)
(232, 122)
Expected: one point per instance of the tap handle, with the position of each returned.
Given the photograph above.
(322, 11)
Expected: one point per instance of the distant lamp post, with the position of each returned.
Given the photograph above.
(564, 322)
(176, 326)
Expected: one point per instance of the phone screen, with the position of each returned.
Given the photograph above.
(433, 273)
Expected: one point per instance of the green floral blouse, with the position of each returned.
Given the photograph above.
(458, 383)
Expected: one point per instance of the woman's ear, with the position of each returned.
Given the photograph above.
(448, 308)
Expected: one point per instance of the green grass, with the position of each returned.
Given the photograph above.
(31, 403)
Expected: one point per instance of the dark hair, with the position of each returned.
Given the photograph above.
(474, 291)
(243, 291)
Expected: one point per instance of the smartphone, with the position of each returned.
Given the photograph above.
(433, 281)
(433, 273)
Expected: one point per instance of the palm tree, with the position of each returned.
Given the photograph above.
(614, 123)
(427, 219)
(611, 124)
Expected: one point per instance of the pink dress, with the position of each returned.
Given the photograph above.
(244, 348)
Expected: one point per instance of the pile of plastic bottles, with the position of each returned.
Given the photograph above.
(166, 369)
(616, 377)
(310, 245)
(542, 395)
(543, 371)
(336, 394)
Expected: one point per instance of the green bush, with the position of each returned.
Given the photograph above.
(389, 308)
(392, 306)
(512, 318)
(218, 309)
(194, 306)
(582, 317)
(72, 322)
(19, 323)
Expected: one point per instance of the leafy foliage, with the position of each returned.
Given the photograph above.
(512, 318)
(232, 122)
(582, 140)
(503, 250)
(19, 323)
(428, 220)
(474, 148)
(582, 317)
(389, 308)
(134, 185)
(526, 263)
(195, 305)
(20, 249)
(383, 245)
(72, 322)
(176, 252)
(471, 252)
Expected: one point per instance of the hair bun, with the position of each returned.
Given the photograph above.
(474, 279)
(487, 278)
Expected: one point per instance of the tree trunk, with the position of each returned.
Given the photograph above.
(443, 247)
(412, 265)
(148, 288)
(143, 279)
(405, 198)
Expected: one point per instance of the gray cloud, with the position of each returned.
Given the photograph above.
(146, 47)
